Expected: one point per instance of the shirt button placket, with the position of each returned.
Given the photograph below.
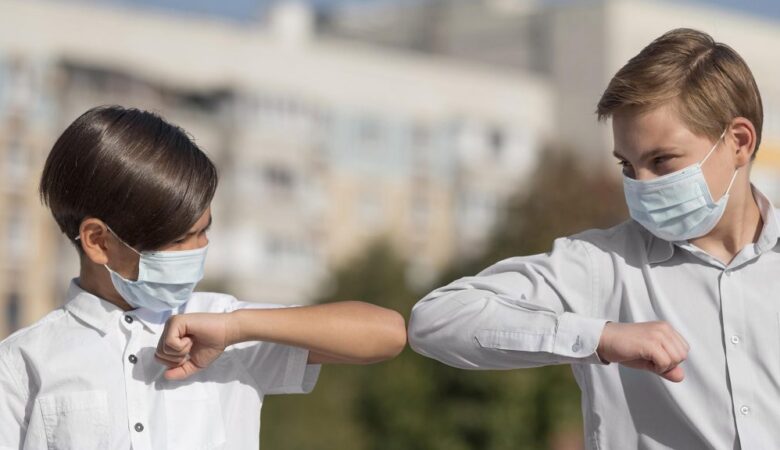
(743, 382)
(135, 392)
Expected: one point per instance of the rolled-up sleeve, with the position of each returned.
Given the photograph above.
(521, 312)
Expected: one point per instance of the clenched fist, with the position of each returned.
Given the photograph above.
(190, 342)
(653, 346)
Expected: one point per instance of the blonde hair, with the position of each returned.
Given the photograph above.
(707, 82)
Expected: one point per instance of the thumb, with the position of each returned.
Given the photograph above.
(676, 374)
(181, 372)
(177, 345)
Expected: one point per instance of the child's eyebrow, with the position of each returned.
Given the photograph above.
(648, 155)
(206, 228)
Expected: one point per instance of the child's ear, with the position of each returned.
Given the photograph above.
(93, 234)
(743, 133)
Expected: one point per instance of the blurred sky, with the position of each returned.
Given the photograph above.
(248, 10)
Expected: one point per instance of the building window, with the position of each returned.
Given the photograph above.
(370, 210)
(497, 142)
(12, 311)
(420, 213)
(284, 251)
(369, 131)
(16, 163)
(278, 177)
(16, 237)
(478, 211)
(5, 87)
(421, 136)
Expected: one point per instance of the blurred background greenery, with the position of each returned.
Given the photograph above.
(412, 402)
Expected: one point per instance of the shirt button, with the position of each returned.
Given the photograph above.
(735, 339)
(132, 359)
(577, 345)
(139, 427)
(128, 319)
(745, 410)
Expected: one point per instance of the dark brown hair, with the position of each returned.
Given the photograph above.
(142, 176)
(708, 83)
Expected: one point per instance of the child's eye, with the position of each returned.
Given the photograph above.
(660, 160)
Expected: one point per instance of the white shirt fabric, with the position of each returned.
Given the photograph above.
(551, 309)
(84, 377)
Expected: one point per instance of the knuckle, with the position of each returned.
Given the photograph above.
(659, 354)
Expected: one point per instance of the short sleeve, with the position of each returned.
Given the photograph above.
(13, 398)
(276, 368)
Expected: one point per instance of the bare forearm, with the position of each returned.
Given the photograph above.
(353, 332)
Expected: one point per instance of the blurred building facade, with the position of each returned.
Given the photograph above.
(577, 46)
(413, 121)
(322, 144)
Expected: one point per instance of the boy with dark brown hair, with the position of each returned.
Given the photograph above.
(135, 359)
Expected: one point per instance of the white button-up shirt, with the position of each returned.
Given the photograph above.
(551, 309)
(85, 377)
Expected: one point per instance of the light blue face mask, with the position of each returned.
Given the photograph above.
(165, 279)
(677, 206)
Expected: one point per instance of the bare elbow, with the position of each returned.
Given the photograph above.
(388, 337)
(398, 338)
(394, 337)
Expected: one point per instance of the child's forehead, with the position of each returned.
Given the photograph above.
(663, 118)
(638, 130)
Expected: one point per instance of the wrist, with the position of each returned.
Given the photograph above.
(233, 334)
(601, 348)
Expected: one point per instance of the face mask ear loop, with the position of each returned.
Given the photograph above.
(78, 238)
(732, 182)
(125, 243)
(713, 148)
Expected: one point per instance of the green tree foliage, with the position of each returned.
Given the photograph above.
(414, 403)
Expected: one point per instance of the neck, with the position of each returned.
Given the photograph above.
(96, 280)
(740, 225)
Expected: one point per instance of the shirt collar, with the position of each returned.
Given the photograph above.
(771, 231)
(659, 250)
(103, 315)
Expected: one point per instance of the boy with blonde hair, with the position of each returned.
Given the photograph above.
(668, 320)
